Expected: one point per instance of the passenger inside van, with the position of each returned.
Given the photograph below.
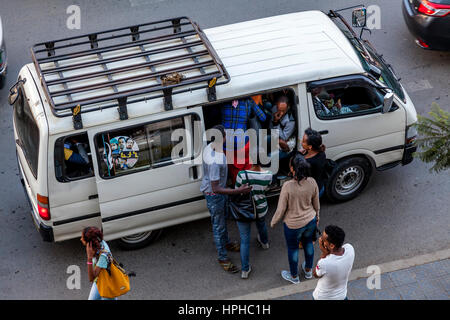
(343, 101)
(77, 161)
(284, 122)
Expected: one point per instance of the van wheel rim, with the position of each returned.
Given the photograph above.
(136, 238)
(349, 180)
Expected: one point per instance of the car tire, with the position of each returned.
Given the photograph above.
(2, 82)
(348, 179)
(139, 240)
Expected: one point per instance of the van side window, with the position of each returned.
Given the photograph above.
(73, 159)
(138, 148)
(345, 102)
(27, 132)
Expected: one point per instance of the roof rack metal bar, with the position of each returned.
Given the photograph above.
(194, 58)
(132, 79)
(148, 89)
(84, 53)
(186, 49)
(110, 38)
(127, 68)
(60, 113)
(120, 58)
(106, 69)
(219, 63)
(116, 29)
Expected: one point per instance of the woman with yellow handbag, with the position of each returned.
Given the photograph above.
(103, 270)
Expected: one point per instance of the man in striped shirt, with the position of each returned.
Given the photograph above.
(259, 180)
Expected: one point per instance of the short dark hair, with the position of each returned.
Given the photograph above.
(221, 128)
(335, 235)
(283, 99)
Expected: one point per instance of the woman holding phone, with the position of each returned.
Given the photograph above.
(97, 251)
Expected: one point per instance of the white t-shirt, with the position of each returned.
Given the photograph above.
(334, 271)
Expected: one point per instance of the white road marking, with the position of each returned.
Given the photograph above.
(137, 3)
(419, 85)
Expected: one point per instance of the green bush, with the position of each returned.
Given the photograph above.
(434, 138)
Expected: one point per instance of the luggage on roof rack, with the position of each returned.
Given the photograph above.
(125, 65)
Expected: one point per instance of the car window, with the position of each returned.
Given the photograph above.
(346, 101)
(27, 132)
(73, 159)
(139, 148)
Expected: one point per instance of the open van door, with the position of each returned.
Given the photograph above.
(148, 173)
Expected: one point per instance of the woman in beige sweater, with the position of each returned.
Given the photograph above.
(298, 207)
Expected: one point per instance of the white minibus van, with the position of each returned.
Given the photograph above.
(111, 100)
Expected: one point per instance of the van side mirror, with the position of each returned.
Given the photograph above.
(13, 95)
(388, 101)
(359, 17)
(14, 91)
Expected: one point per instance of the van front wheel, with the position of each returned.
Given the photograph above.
(349, 178)
(139, 240)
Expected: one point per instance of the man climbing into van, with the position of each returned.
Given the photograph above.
(213, 187)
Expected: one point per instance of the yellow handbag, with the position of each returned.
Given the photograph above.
(113, 282)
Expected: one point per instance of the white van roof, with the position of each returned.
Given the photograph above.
(259, 55)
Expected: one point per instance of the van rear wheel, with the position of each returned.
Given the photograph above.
(139, 240)
(348, 179)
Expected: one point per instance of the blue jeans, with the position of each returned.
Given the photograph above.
(293, 238)
(244, 231)
(322, 191)
(94, 295)
(217, 206)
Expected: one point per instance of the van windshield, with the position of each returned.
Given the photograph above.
(27, 132)
(367, 55)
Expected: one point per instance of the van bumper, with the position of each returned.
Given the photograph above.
(408, 154)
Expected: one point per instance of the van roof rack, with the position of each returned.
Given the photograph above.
(80, 74)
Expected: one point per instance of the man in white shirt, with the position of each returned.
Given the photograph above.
(334, 265)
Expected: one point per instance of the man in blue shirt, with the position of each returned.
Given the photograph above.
(235, 115)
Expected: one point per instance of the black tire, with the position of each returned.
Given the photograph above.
(139, 240)
(348, 179)
(2, 82)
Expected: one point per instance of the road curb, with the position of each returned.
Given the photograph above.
(354, 275)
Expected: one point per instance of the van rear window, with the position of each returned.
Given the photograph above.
(27, 132)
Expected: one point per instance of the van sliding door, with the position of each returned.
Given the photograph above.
(148, 174)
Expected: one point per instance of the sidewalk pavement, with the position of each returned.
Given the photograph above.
(425, 277)
(429, 281)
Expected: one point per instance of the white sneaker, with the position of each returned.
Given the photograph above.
(263, 245)
(244, 274)
(308, 275)
(287, 276)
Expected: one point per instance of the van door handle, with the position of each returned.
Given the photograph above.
(323, 132)
(193, 172)
(94, 196)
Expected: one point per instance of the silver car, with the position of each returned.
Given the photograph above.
(3, 63)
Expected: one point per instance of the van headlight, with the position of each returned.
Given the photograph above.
(411, 134)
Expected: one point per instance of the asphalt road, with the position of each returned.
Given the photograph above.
(403, 212)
